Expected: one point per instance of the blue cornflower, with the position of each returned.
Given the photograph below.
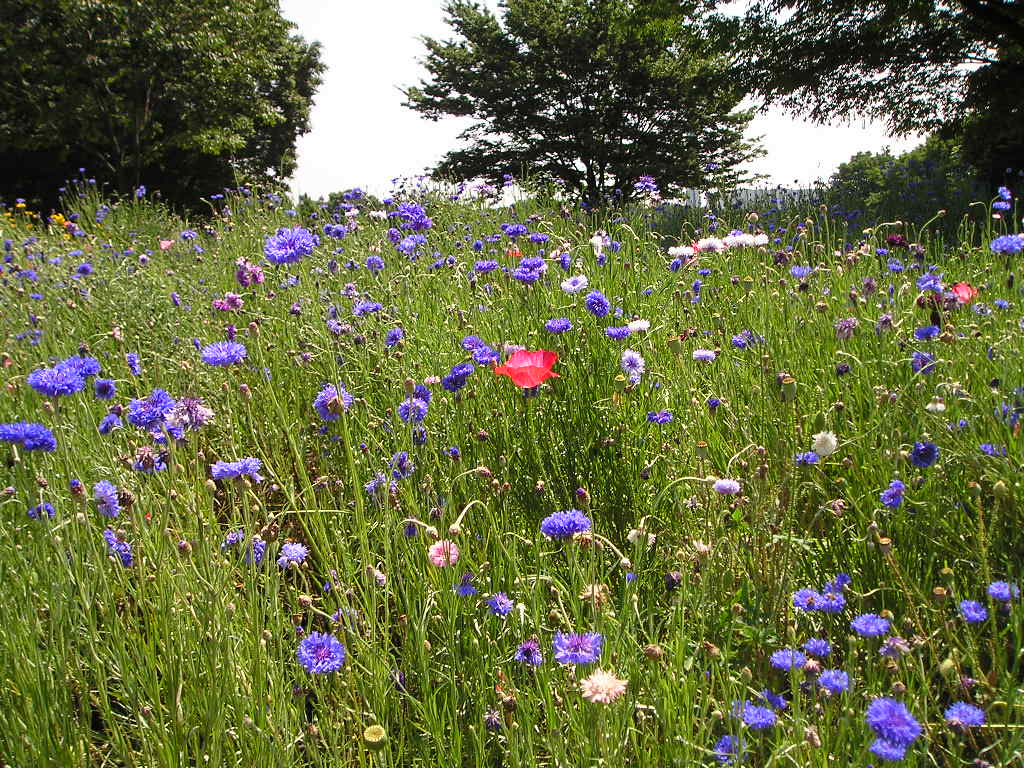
(618, 333)
(632, 364)
(922, 362)
(223, 353)
(320, 654)
(45, 509)
(59, 381)
(973, 611)
(818, 647)
(563, 525)
(755, 717)
(787, 659)
(992, 450)
(332, 402)
(31, 437)
(529, 652)
(892, 723)
(394, 336)
(500, 604)
(86, 367)
(412, 410)
(930, 281)
(401, 465)
(484, 266)
(232, 539)
(597, 304)
(835, 681)
(800, 272)
(109, 423)
(1003, 591)
(924, 454)
(892, 496)
(465, 586)
(289, 245)
(927, 332)
(962, 715)
(1007, 244)
(293, 554)
(558, 325)
(361, 308)
(870, 625)
(105, 494)
(105, 389)
(659, 417)
(248, 467)
(808, 457)
(484, 355)
(118, 547)
(458, 376)
(571, 648)
(133, 364)
(148, 413)
(727, 749)
(774, 700)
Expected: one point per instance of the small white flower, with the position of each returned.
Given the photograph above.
(638, 325)
(681, 251)
(937, 405)
(825, 444)
(761, 239)
(575, 284)
(597, 242)
(710, 244)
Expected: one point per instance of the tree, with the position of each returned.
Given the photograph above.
(182, 96)
(920, 65)
(595, 93)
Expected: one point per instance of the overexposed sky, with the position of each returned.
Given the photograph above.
(363, 136)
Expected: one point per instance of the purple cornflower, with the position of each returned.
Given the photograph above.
(133, 364)
(105, 494)
(704, 355)
(571, 648)
(787, 659)
(727, 749)
(892, 496)
(223, 353)
(45, 509)
(293, 554)
(726, 487)
(632, 364)
(558, 325)
(808, 457)
(332, 402)
(962, 715)
(412, 410)
(465, 586)
(119, 547)
(500, 604)
(973, 611)
(394, 336)
(846, 327)
(870, 625)
(529, 652)
(818, 647)
(320, 654)
(755, 717)
(659, 417)
(1003, 591)
(924, 454)
(225, 470)
(835, 681)
(618, 333)
(105, 389)
(457, 377)
(597, 304)
(922, 362)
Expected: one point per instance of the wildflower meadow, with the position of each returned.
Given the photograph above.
(445, 479)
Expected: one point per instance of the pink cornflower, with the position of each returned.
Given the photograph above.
(602, 687)
(443, 553)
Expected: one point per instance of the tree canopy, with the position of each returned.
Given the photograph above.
(920, 65)
(594, 93)
(181, 96)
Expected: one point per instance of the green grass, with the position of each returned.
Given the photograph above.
(188, 657)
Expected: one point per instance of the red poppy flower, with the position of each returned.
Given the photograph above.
(529, 369)
(965, 292)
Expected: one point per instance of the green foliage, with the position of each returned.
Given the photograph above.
(188, 656)
(872, 187)
(595, 93)
(180, 96)
(918, 65)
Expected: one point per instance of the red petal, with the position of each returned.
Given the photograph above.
(529, 369)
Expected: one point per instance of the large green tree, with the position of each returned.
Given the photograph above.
(184, 96)
(955, 66)
(595, 93)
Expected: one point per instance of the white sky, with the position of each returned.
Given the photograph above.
(362, 135)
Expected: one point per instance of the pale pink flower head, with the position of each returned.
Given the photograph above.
(602, 687)
(443, 553)
(165, 244)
